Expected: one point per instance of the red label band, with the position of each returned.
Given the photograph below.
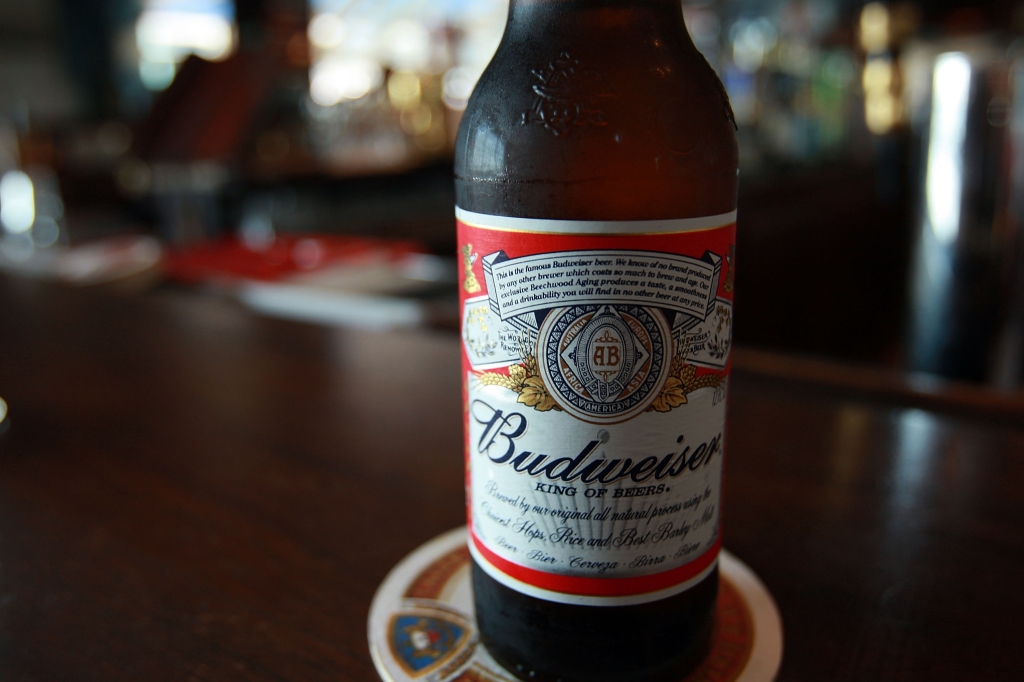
(599, 587)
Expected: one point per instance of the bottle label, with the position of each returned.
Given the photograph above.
(596, 363)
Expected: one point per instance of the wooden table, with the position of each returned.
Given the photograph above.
(192, 492)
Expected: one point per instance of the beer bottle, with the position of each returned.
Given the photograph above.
(596, 175)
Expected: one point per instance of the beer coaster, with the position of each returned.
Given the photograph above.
(422, 626)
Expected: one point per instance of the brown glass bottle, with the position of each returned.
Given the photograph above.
(596, 110)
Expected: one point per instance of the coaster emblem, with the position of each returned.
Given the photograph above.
(604, 364)
(421, 643)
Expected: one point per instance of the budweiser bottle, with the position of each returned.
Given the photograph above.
(596, 174)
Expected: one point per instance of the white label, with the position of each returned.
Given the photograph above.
(596, 375)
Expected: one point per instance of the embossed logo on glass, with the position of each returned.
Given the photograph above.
(568, 95)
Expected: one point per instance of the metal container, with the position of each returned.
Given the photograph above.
(966, 286)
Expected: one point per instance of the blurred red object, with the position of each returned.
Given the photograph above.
(231, 259)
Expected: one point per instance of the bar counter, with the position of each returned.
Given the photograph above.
(189, 491)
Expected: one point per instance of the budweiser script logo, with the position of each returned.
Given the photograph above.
(501, 430)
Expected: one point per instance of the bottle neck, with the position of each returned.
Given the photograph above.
(577, 5)
(643, 16)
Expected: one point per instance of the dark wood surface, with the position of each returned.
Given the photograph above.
(192, 492)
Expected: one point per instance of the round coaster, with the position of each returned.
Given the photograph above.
(422, 624)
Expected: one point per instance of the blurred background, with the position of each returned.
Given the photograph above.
(297, 155)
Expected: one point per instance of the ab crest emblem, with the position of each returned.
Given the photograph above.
(604, 363)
